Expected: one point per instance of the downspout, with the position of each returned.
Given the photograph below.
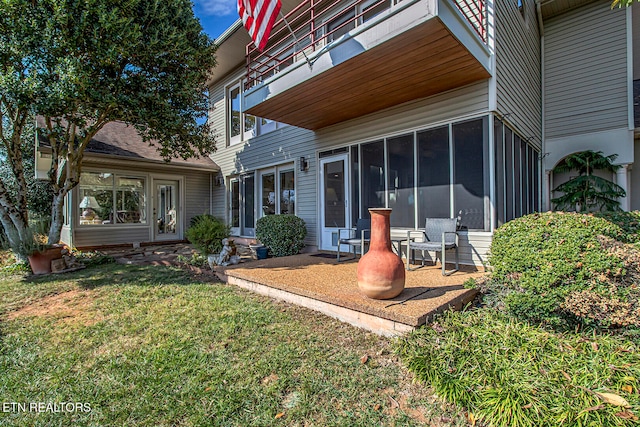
(210, 194)
(546, 184)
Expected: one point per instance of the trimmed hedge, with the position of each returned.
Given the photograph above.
(564, 269)
(282, 234)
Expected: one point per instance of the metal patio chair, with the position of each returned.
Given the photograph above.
(439, 235)
(357, 237)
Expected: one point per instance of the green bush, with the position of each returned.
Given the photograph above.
(567, 268)
(206, 234)
(282, 234)
(508, 373)
(197, 218)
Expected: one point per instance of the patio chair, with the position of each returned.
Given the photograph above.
(359, 236)
(439, 235)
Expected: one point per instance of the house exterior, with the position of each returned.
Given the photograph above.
(128, 194)
(435, 108)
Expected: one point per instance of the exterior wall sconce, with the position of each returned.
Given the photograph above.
(304, 164)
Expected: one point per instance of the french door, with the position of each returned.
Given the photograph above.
(166, 210)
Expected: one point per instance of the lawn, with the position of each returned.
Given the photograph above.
(153, 346)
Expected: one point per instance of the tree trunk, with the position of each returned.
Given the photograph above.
(15, 230)
(57, 216)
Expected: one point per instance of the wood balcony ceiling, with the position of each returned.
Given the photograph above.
(420, 62)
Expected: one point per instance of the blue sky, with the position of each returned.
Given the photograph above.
(215, 15)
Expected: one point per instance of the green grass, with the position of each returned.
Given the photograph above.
(152, 346)
(508, 373)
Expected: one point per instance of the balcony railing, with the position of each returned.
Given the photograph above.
(316, 23)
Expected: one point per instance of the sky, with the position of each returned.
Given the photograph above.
(215, 15)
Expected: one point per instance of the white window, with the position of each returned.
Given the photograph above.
(105, 198)
(277, 191)
(243, 126)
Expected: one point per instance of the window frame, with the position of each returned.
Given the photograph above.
(116, 174)
(261, 125)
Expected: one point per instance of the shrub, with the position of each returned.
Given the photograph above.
(282, 234)
(556, 267)
(206, 234)
(509, 373)
(197, 218)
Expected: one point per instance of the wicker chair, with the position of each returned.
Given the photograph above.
(355, 237)
(439, 235)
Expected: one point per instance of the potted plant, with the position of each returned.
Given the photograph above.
(35, 248)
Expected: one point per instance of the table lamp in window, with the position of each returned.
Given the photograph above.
(89, 204)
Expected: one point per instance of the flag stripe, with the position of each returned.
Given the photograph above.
(258, 17)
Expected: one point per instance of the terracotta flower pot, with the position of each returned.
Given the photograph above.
(40, 262)
(380, 271)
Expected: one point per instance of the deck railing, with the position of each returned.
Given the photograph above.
(316, 23)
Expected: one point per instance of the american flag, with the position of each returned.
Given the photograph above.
(258, 17)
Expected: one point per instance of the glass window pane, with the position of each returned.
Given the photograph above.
(517, 177)
(249, 125)
(536, 181)
(469, 180)
(500, 190)
(235, 203)
(95, 195)
(287, 193)
(434, 200)
(234, 108)
(400, 176)
(341, 25)
(526, 179)
(268, 194)
(167, 201)
(334, 197)
(374, 8)
(355, 184)
(372, 176)
(130, 200)
(508, 165)
(249, 203)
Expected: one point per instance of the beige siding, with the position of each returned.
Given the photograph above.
(586, 71)
(66, 235)
(116, 235)
(197, 199)
(518, 82)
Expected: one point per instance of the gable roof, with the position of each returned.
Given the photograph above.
(119, 140)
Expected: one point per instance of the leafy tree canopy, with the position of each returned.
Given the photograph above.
(81, 64)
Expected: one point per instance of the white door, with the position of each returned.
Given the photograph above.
(166, 210)
(334, 196)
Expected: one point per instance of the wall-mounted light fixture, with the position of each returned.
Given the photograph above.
(218, 180)
(304, 164)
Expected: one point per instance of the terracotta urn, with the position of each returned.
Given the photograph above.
(380, 271)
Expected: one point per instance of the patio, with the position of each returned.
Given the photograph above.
(318, 282)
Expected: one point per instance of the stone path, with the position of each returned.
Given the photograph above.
(160, 254)
(151, 255)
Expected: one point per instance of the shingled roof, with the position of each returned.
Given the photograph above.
(117, 139)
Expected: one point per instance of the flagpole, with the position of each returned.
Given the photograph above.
(297, 42)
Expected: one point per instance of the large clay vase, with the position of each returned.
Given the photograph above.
(380, 271)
